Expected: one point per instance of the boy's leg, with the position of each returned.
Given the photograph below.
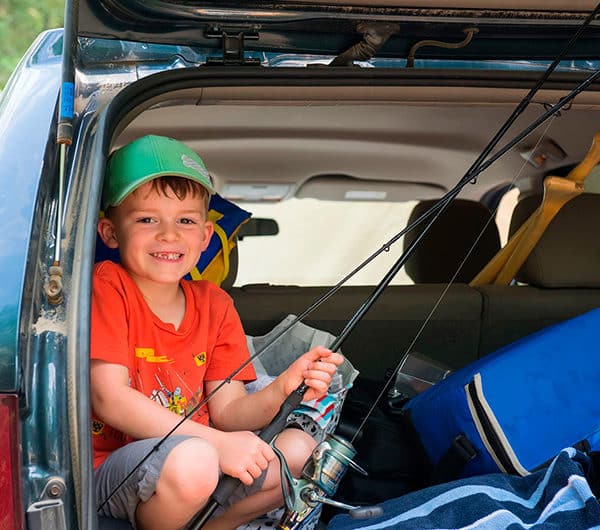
(297, 446)
(189, 476)
(167, 489)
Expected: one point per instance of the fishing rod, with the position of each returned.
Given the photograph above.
(228, 484)
(434, 210)
(323, 298)
(296, 397)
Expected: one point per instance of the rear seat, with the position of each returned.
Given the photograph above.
(562, 275)
(380, 339)
(470, 321)
(391, 325)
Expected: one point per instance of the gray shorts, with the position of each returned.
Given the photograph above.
(141, 485)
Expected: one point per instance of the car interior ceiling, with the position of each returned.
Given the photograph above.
(420, 141)
(410, 135)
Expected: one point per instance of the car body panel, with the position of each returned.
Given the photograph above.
(31, 92)
(537, 29)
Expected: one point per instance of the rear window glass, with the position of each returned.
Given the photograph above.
(319, 242)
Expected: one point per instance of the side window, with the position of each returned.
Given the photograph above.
(505, 210)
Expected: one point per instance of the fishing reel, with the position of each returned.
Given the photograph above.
(320, 478)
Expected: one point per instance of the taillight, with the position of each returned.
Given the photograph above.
(11, 508)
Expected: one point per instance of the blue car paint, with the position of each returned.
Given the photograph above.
(27, 110)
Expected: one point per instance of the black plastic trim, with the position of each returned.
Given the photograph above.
(331, 29)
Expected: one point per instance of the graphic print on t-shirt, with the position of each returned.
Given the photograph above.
(157, 378)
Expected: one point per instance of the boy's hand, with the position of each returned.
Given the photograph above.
(243, 455)
(315, 368)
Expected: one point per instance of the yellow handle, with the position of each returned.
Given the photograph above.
(584, 168)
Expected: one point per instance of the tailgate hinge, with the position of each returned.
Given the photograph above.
(233, 47)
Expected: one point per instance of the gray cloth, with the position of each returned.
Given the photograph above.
(316, 417)
(291, 345)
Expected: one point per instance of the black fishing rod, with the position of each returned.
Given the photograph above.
(267, 434)
(323, 298)
(228, 484)
(435, 209)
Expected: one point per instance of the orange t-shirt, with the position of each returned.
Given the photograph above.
(166, 364)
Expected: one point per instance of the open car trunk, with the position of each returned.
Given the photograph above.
(350, 110)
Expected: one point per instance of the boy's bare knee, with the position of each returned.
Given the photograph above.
(297, 446)
(191, 472)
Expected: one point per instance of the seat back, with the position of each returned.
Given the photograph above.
(449, 241)
(561, 275)
(568, 253)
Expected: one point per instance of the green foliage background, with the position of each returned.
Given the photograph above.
(20, 23)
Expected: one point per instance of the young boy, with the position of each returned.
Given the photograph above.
(160, 344)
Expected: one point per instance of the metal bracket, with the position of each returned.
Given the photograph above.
(233, 47)
(49, 512)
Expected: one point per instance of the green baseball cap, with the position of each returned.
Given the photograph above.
(147, 158)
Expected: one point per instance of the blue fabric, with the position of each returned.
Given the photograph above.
(541, 389)
(557, 497)
(233, 218)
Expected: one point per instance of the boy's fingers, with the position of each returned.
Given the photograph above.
(255, 471)
(317, 384)
(246, 478)
(316, 353)
(331, 357)
(263, 463)
(336, 358)
(323, 366)
(268, 453)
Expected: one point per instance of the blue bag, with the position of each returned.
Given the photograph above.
(514, 410)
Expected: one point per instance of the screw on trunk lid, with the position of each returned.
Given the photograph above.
(55, 488)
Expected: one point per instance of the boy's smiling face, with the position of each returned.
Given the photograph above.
(159, 237)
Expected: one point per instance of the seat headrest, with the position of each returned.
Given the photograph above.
(568, 253)
(439, 254)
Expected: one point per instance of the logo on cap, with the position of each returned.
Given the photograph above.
(191, 163)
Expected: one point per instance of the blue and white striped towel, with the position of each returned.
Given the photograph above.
(557, 497)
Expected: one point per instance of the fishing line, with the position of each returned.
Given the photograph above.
(407, 351)
(477, 167)
(484, 165)
(227, 484)
(435, 210)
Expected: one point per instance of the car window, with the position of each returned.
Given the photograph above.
(319, 242)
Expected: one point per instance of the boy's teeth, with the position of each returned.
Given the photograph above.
(167, 255)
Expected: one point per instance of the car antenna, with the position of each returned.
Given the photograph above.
(64, 137)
